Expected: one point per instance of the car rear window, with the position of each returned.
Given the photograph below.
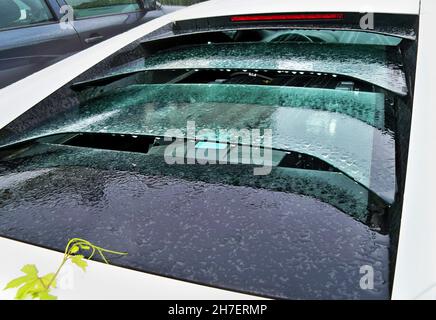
(338, 106)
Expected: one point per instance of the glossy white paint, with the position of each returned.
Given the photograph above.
(217, 8)
(101, 281)
(415, 276)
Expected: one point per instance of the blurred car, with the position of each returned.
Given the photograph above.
(32, 36)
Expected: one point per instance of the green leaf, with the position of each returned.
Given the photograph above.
(47, 278)
(74, 250)
(36, 289)
(31, 276)
(34, 295)
(15, 283)
(27, 290)
(32, 286)
(79, 261)
(30, 269)
(45, 295)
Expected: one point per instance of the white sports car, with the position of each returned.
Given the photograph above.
(234, 149)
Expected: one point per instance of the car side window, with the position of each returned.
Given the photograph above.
(93, 8)
(21, 13)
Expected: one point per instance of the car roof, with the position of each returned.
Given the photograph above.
(216, 8)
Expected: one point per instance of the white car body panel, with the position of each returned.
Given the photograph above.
(415, 275)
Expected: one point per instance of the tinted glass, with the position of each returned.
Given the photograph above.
(334, 103)
(91, 8)
(20, 13)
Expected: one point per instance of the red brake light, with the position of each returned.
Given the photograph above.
(289, 17)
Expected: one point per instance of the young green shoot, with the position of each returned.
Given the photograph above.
(33, 286)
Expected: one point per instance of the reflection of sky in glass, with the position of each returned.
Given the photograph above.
(334, 36)
(346, 129)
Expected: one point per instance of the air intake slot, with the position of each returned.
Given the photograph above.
(115, 142)
(303, 161)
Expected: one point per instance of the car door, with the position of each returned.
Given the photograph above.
(31, 38)
(98, 20)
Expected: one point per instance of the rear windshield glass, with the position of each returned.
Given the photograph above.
(375, 60)
(332, 108)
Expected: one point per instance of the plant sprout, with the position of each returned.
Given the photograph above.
(33, 286)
